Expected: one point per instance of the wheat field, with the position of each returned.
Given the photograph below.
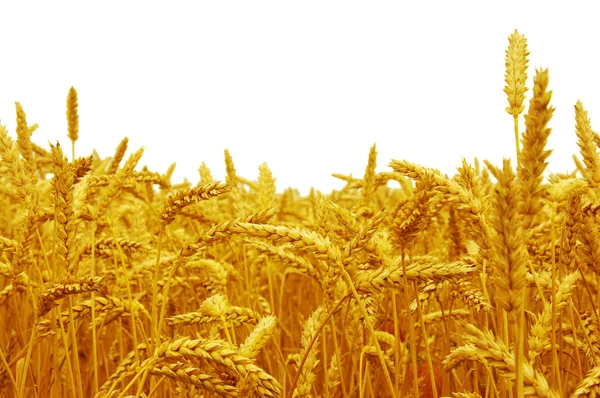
(115, 282)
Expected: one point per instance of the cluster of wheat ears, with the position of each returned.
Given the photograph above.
(116, 283)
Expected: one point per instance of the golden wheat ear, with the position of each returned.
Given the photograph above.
(72, 119)
(515, 78)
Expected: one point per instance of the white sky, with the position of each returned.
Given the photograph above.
(306, 86)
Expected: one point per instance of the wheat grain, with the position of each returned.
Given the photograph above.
(221, 353)
(258, 338)
(483, 346)
(118, 157)
(47, 300)
(194, 376)
(176, 202)
(307, 376)
(72, 115)
(534, 155)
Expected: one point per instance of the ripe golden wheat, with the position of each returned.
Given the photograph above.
(119, 283)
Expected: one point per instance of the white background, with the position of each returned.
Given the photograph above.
(306, 86)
